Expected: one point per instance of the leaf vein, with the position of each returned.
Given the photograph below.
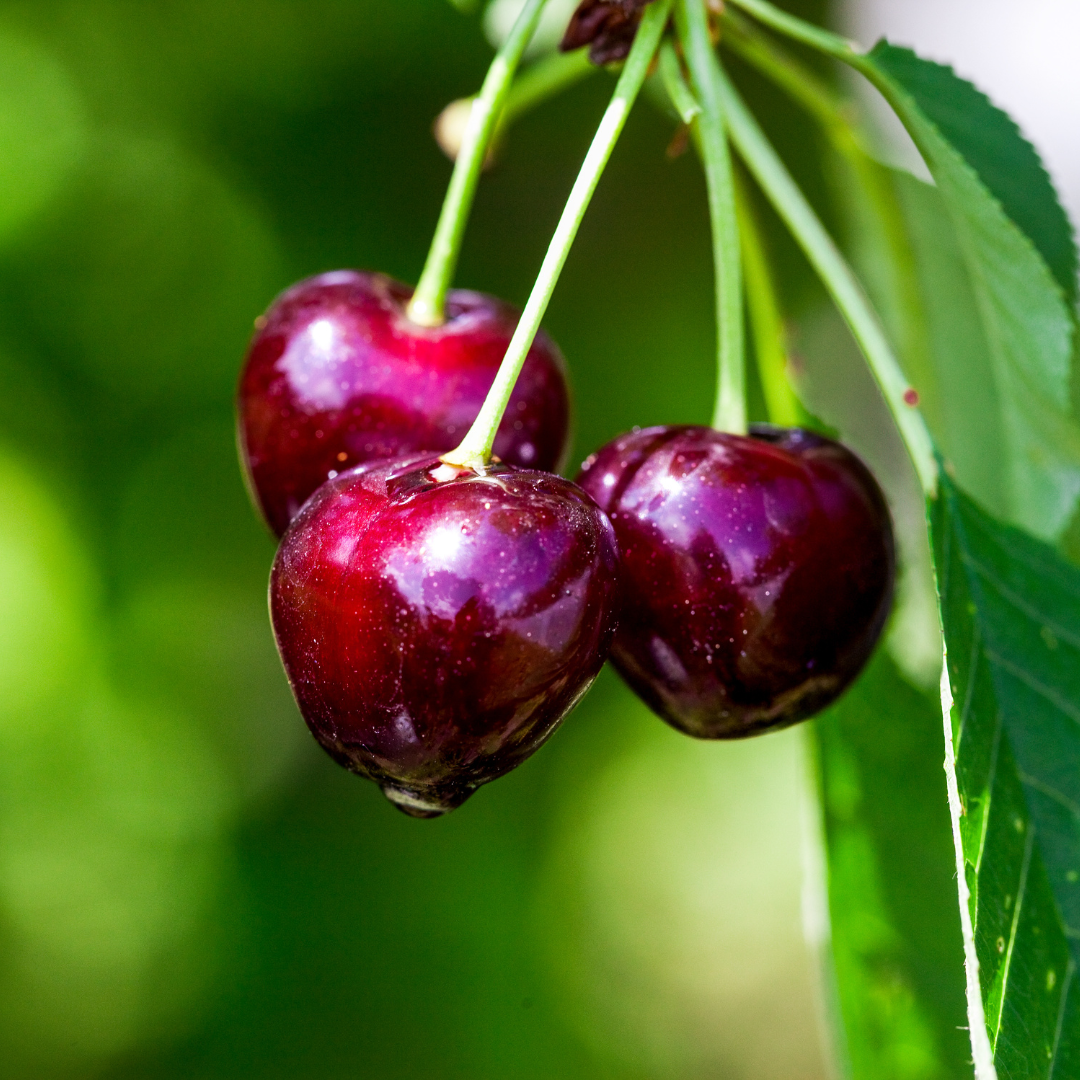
(991, 776)
(1047, 692)
(969, 690)
(1022, 605)
(1020, 895)
(1043, 569)
(1070, 971)
(1051, 792)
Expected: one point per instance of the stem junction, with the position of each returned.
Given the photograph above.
(475, 449)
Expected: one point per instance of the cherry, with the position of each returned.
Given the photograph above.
(336, 375)
(757, 572)
(437, 623)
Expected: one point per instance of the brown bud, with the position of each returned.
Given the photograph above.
(606, 26)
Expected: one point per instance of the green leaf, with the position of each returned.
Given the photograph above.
(925, 295)
(897, 949)
(992, 144)
(1027, 326)
(1011, 613)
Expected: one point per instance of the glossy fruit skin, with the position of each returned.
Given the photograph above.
(757, 572)
(437, 624)
(337, 375)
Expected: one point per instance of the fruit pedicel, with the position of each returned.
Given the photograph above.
(441, 603)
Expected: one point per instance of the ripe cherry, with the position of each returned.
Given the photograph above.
(437, 623)
(757, 572)
(337, 375)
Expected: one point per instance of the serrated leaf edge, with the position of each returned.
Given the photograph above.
(1051, 282)
(900, 100)
(879, 76)
(869, 55)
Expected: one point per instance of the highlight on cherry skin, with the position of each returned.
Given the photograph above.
(757, 572)
(336, 375)
(437, 623)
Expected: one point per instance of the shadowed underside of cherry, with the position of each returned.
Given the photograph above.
(757, 572)
(437, 624)
(337, 375)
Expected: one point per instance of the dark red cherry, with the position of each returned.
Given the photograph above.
(337, 375)
(437, 624)
(757, 572)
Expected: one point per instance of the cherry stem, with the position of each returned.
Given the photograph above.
(766, 321)
(692, 23)
(903, 299)
(829, 44)
(543, 80)
(475, 448)
(538, 83)
(799, 30)
(790, 203)
(426, 308)
(682, 99)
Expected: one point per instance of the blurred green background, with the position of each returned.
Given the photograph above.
(188, 887)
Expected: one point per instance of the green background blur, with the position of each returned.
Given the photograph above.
(188, 887)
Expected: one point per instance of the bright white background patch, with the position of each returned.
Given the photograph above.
(1022, 55)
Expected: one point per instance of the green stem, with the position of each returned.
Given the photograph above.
(545, 79)
(693, 27)
(766, 322)
(542, 80)
(905, 304)
(799, 30)
(427, 305)
(825, 42)
(847, 294)
(475, 448)
(828, 43)
(675, 85)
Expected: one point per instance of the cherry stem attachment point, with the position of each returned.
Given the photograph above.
(792, 206)
(475, 448)
(426, 308)
(692, 24)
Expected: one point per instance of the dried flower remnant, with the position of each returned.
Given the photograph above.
(606, 26)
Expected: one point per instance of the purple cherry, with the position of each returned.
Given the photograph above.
(337, 375)
(437, 623)
(757, 572)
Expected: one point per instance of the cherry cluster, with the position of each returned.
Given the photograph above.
(437, 621)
